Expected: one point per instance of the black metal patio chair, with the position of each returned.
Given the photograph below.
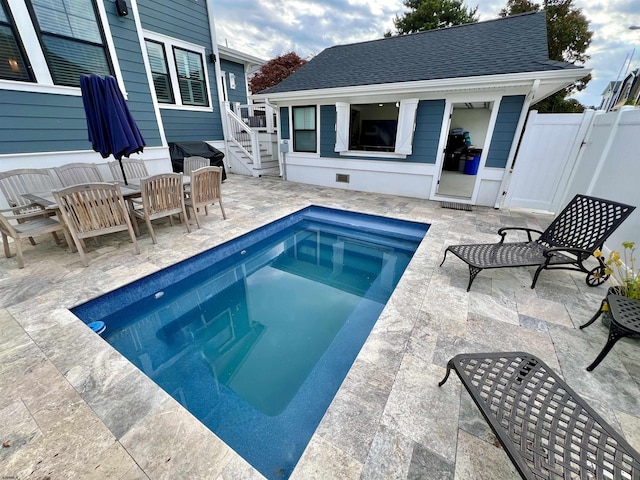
(573, 236)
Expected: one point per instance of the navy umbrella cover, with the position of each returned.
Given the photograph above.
(112, 129)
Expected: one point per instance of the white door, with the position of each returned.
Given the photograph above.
(545, 160)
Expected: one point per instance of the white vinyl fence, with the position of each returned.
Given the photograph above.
(593, 153)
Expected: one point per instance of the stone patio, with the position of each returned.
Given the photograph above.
(72, 407)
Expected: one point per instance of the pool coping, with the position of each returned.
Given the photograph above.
(118, 300)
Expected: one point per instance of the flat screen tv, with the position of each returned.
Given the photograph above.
(379, 134)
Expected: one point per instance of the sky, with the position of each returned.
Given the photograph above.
(268, 28)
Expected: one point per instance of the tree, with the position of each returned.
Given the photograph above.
(568, 37)
(275, 70)
(432, 14)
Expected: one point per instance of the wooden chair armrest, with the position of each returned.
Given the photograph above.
(20, 216)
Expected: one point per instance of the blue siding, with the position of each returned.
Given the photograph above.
(130, 59)
(328, 131)
(425, 141)
(185, 20)
(239, 94)
(505, 128)
(40, 122)
(186, 126)
(284, 123)
(429, 118)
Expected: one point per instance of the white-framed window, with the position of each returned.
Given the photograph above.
(57, 41)
(305, 136)
(376, 128)
(179, 72)
(159, 71)
(14, 64)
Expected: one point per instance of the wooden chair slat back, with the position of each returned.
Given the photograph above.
(206, 185)
(91, 208)
(133, 169)
(193, 163)
(14, 183)
(78, 173)
(162, 194)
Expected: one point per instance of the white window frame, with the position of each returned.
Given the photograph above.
(404, 131)
(169, 43)
(33, 50)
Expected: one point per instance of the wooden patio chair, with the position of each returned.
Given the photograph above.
(30, 225)
(161, 196)
(133, 169)
(91, 210)
(193, 163)
(16, 183)
(78, 174)
(206, 189)
(573, 236)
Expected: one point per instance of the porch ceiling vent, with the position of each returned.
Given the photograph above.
(342, 178)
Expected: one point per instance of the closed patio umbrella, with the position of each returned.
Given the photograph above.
(112, 129)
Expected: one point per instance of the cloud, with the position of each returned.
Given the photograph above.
(269, 28)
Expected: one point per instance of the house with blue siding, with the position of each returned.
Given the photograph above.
(163, 54)
(434, 115)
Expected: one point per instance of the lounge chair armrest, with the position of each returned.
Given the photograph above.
(503, 232)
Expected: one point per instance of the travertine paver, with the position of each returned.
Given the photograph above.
(72, 407)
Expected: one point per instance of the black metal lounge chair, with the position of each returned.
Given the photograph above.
(573, 236)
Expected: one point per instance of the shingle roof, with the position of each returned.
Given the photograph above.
(506, 45)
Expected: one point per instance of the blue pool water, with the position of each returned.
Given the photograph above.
(255, 336)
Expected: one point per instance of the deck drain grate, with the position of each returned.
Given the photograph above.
(456, 206)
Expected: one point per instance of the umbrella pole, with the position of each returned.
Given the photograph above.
(123, 174)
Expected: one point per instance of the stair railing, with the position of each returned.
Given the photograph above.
(241, 135)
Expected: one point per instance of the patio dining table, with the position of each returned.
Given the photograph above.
(129, 191)
(46, 200)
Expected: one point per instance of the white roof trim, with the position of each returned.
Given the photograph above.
(236, 56)
(557, 78)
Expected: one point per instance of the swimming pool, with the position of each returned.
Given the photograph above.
(255, 336)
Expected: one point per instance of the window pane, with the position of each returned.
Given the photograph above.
(189, 64)
(304, 141)
(71, 18)
(373, 127)
(304, 118)
(156, 57)
(190, 77)
(192, 92)
(163, 88)
(158, 64)
(13, 64)
(68, 60)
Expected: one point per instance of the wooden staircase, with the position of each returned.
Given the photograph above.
(249, 150)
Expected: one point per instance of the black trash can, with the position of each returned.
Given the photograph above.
(180, 150)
